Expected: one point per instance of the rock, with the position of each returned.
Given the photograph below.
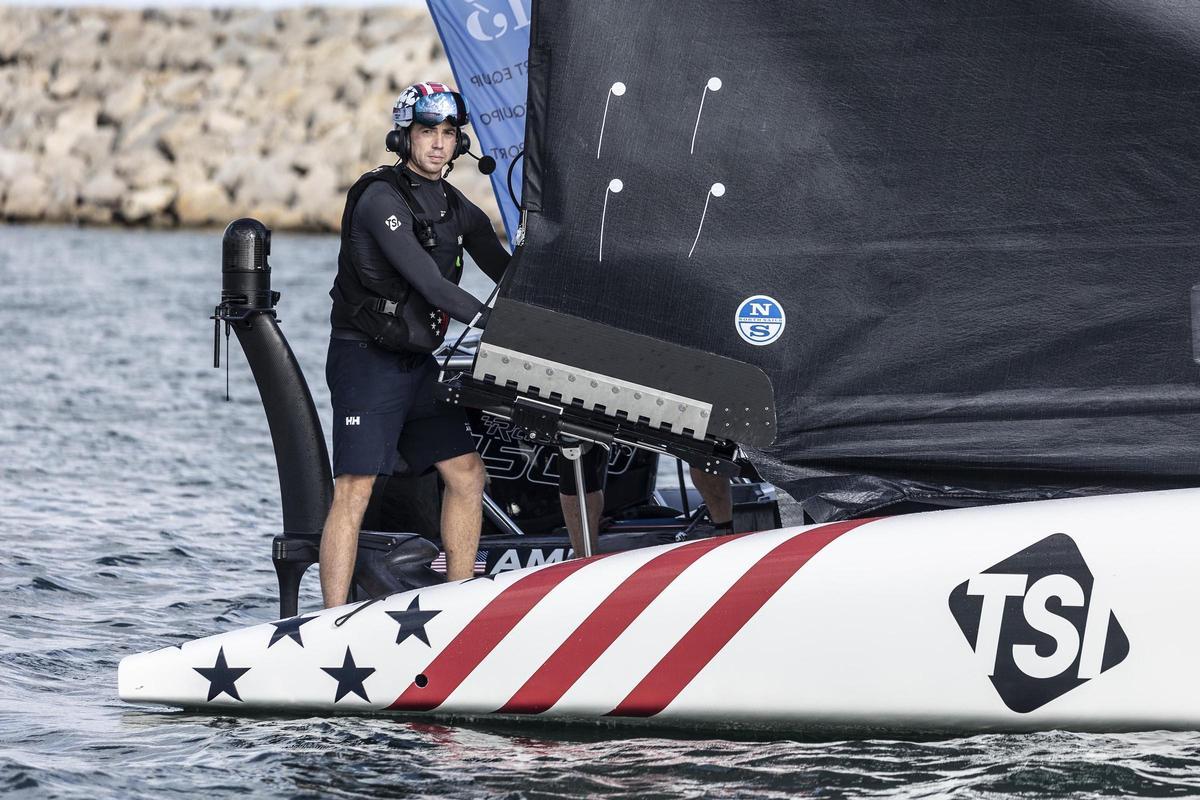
(232, 171)
(262, 65)
(214, 152)
(387, 60)
(279, 217)
(222, 123)
(191, 18)
(94, 215)
(203, 203)
(223, 81)
(65, 85)
(382, 28)
(267, 183)
(77, 55)
(316, 97)
(332, 60)
(180, 135)
(74, 126)
(181, 50)
(165, 219)
(15, 163)
(64, 176)
(304, 159)
(328, 124)
(96, 148)
(190, 171)
(143, 170)
(21, 133)
(342, 25)
(184, 91)
(104, 80)
(60, 142)
(123, 102)
(319, 198)
(128, 35)
(26, 198)
(141, 133)
(37, 79)
(42, 48)
(103, 189)
(298, 29)
(12, 36)
(145, 203)
(254, 27)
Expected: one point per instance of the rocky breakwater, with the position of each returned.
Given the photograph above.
(193, 117)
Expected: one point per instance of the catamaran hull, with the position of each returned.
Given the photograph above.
(1074, 614)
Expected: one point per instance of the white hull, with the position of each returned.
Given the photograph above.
(922, 622)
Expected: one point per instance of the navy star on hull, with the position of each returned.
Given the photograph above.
(222, 678)
(290, 629)
(413, 621)
(350, 677)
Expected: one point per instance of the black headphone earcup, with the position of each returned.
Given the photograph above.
(464, 144)
(397, 142)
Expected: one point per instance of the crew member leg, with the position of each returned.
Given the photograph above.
(717, 496)
(462, 512)
(570, 509)
(339, 539)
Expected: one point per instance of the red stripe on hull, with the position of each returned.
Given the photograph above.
(481, 635)
(602, 627)
(727, 616)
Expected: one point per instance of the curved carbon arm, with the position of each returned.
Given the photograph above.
(305, 477)
(248, 307)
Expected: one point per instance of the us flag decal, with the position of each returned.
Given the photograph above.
(693, 647)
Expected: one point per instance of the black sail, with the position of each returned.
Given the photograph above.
(981, 221)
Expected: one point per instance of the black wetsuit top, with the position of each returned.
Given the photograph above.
(384, 241)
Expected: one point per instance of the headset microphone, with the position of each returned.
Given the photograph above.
(487, 164)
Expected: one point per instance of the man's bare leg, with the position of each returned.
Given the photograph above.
(570, 509)
(716, 493)
(462, 512)
(339, 540)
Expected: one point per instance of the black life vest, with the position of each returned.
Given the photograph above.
(399, 319)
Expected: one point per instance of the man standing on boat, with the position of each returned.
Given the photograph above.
(404, 230)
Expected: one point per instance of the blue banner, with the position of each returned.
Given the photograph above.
(487, 43)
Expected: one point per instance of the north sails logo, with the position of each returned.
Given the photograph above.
(392, 222)
(759, 320)
(1038, 623)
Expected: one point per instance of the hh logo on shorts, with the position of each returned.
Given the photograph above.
(352, 420)
(392, 222)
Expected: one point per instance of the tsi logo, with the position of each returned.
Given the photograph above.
(392, 222)
(1038, 623)
(759, 320)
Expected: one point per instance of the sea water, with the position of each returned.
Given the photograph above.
(137, 507)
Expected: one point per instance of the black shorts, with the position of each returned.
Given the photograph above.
(385, 417)
(595, 472)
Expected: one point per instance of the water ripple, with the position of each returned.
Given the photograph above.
(138, 510)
